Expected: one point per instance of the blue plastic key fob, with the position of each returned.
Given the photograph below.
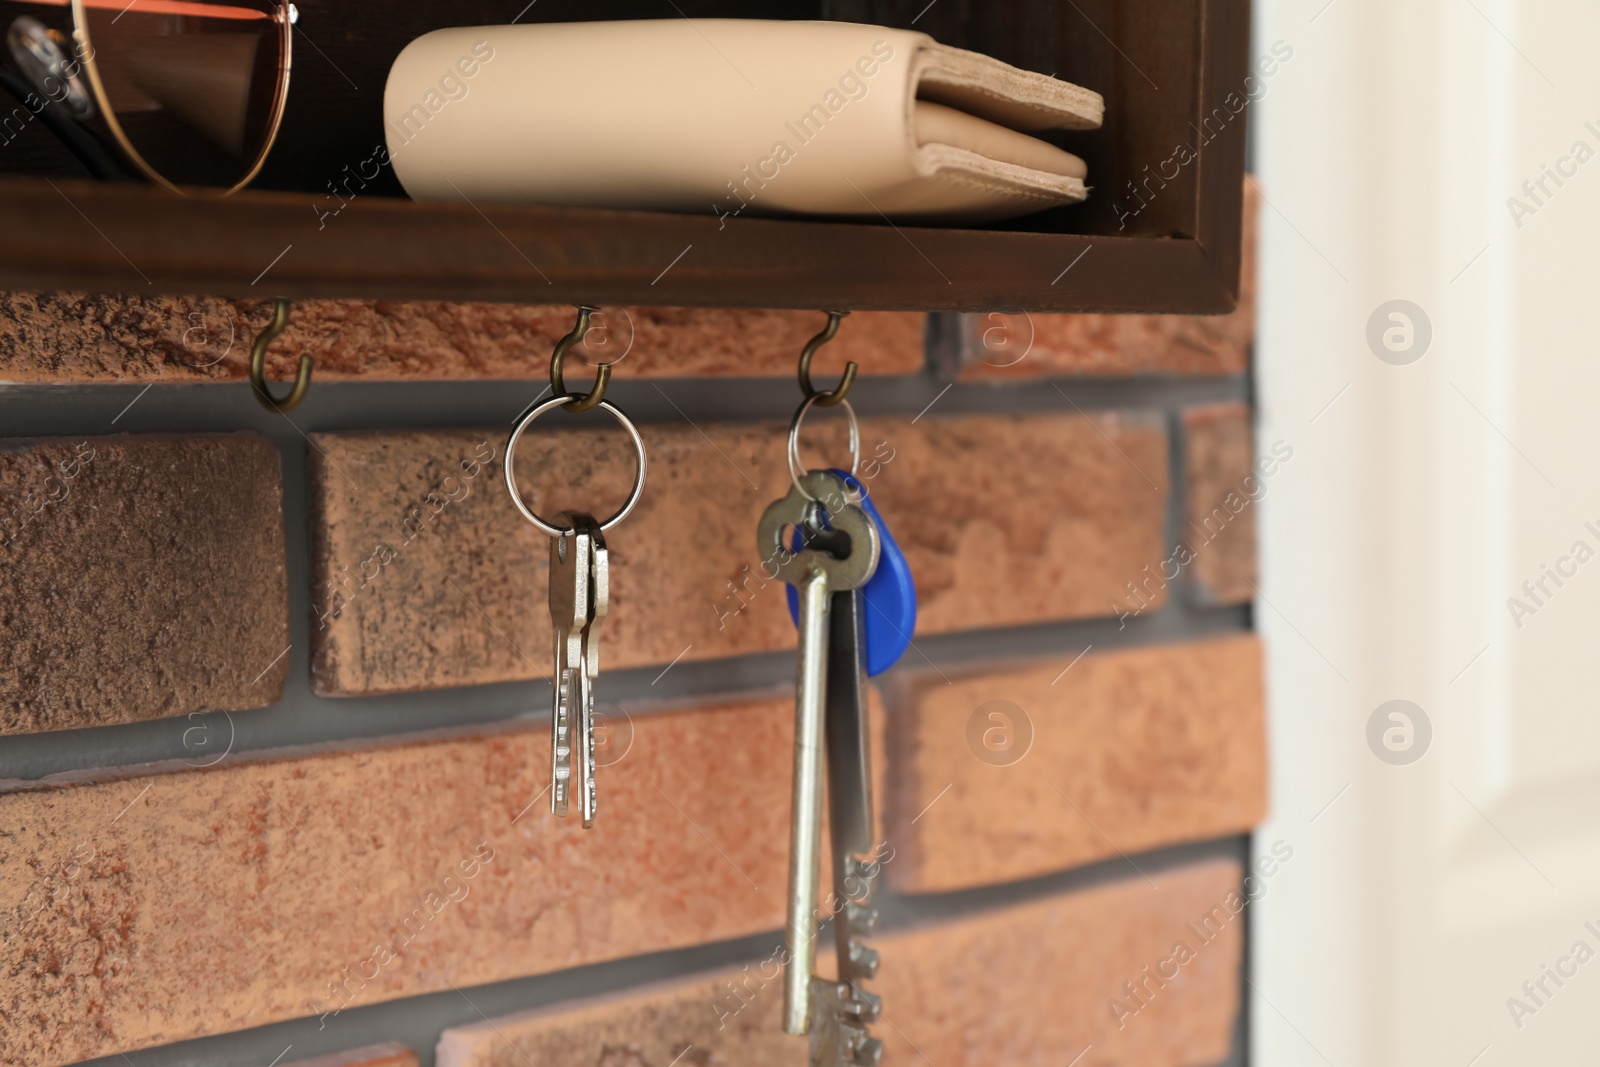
(890, 596)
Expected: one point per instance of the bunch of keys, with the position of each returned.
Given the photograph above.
(580, 594)
(843, 566)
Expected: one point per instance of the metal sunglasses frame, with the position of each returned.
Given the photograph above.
(283, 14)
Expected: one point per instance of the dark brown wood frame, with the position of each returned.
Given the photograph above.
(1181, 258)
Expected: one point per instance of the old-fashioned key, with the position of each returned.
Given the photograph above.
(579, 597)
(840, 554)
(840, 1011)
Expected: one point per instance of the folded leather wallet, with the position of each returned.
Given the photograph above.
(730, 116)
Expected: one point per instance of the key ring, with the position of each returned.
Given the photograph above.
(511, 452)
(797, 469)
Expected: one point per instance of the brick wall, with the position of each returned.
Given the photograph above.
(273, 690)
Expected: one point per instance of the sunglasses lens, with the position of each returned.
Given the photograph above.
(193, 84)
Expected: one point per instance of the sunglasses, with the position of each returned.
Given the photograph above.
(183, 92)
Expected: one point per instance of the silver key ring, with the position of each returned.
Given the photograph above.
(511, 452)
(797, 470)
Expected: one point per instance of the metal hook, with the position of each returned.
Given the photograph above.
(838, 392)
(258, 363)
(602, 373)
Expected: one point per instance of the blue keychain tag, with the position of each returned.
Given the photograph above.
(889, 595)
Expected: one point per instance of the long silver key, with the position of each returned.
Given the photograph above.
(841, 1010)
(579, 598)
(599, 604)
(815, 572)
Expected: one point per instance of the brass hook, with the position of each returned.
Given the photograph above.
(258, 363)
(840, 391)
(602, 373)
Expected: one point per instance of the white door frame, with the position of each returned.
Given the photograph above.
(1421, 495)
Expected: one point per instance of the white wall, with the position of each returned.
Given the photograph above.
(1416, 504)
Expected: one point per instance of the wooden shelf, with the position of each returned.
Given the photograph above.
(115, 238)
(1165, 67)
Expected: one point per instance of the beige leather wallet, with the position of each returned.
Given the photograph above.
(730, 116)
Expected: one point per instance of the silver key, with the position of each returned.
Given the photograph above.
(579, 598)
(816, 573)
(599, 604)
(841, 1010)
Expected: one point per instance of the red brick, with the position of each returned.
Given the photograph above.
(655, 1025)
(77, 337)
(1033, 984)
(1130, 750)
(112, 890)
(1118, 345)
(1223, 493)
(140, 576)
(1059, 511)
